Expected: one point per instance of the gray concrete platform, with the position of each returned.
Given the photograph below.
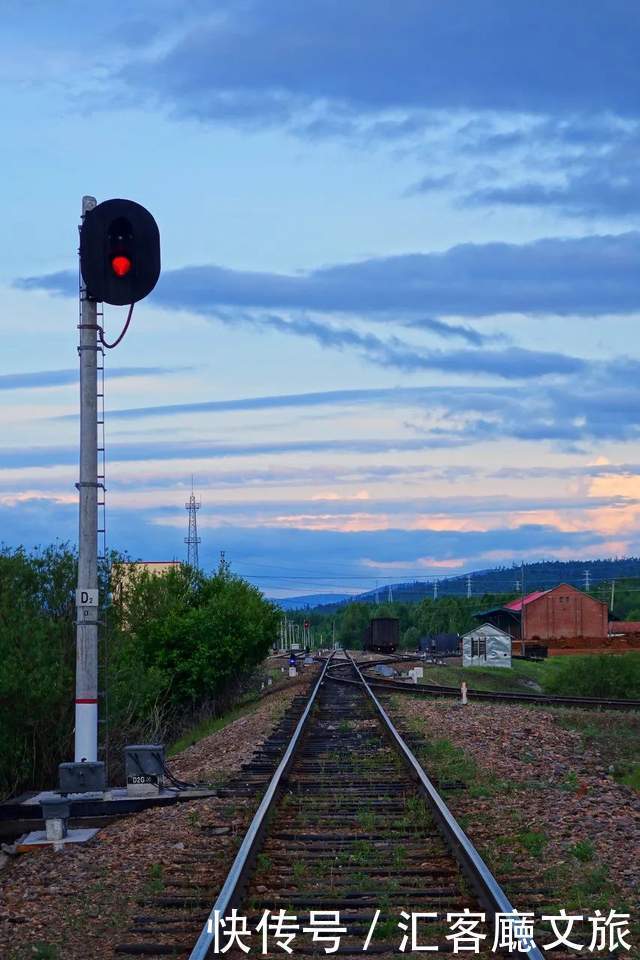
(38, 839)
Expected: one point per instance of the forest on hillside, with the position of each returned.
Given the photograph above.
(594, 575)
(446, 614)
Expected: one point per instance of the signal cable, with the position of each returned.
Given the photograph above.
(115, 343)
(180, 784)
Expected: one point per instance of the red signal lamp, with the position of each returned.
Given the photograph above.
(121, 265)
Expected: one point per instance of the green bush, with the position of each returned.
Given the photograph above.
(602, 675)
(175, 646)
(37, 657)
(195, 634)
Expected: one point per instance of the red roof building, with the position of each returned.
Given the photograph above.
(525, 601)
(562, 620)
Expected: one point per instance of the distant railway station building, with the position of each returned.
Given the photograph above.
(560, 620)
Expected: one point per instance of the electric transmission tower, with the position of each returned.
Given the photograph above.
(192, 540)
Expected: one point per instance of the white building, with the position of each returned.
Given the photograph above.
(486, 646)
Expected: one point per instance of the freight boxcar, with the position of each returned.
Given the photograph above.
(382, 635)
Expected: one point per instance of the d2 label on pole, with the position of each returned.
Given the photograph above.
(87, 598)
(119, 252)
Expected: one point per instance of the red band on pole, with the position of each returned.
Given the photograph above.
(86, 701)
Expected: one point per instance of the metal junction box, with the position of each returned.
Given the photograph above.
(144, 768)
(86, 777)
(55, 807)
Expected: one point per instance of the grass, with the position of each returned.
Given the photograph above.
(385, 929)
(155, 881)
(570, 782)
(211, 725)
(523, 677)
(44, 951)
(589, 888)
(363, 853)
(533, 842)
(583, 851)
(399, 856)
(445, 761)
(631, 778)
(300, 870)
(607, 675)
(601, 675)
(367, 820)
(615, 736)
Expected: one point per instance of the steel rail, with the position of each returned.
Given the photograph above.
(236, 878)
(482, 880)
(441, 690)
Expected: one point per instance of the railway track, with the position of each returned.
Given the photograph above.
(348, 824)
(440, 690)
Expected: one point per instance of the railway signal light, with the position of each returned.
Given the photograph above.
(120, 265)
(119, 252)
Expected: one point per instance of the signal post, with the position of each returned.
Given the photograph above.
(119, 264)
(87, 601)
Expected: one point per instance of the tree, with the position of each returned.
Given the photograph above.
(177, 643)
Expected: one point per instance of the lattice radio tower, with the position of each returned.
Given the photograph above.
(192, 540)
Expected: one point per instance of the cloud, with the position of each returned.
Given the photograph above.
(581, 275)
(395, 396)
(610, 186)
(272, 61)
(425, 513)
(61, 378)
(42, 456)
(431, 184)
(288, 556)
(583, 166)
(601, 402)
(514, 363)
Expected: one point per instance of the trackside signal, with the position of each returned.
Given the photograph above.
(119, 252)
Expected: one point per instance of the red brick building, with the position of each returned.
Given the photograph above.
(564, 620)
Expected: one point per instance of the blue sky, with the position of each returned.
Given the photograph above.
(395, 335)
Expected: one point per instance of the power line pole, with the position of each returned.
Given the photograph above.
(586, 580)
(468, 586)
(613, 594)
(523, 615)
(193, 540)
(435, 589)
(86, 732)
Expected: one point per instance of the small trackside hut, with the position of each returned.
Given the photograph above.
(486, 646)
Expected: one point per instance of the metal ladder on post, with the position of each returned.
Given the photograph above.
(103, 694)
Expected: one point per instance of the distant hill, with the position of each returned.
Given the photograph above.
(312, 600)
(513, 579)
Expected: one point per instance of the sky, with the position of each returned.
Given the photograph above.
(396, 331)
